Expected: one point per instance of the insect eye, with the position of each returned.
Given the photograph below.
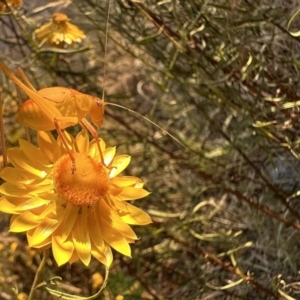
(99, 102)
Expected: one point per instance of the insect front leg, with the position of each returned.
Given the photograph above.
(94, 133)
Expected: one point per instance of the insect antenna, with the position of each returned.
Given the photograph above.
(105, 50)
(118, 105)
(148, 120)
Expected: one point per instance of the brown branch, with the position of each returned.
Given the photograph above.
(226, 266)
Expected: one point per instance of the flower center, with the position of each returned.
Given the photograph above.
(86, 186)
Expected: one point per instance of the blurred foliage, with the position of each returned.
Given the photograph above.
(221, 78)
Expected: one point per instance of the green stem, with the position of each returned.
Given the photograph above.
(66, 296)
(38, 274)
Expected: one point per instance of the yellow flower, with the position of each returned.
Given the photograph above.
(79, 215)
(59, 31)
(14, 3)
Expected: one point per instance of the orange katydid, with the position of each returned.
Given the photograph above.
(57, 108)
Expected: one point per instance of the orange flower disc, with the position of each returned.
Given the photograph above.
(86, 186)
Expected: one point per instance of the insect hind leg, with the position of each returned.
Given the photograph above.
(19, 72)
(63, 139)
(94, 133)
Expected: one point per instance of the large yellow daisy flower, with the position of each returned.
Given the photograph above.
(79, 215)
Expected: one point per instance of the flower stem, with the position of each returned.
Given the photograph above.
(66, 296)
(38, 274)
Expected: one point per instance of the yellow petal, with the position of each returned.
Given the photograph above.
(19, 160)
(69, 139)
(40, 182)
(119, 164)
(48, 145)
(33, 153)
(109, 154)
(31, 203)
(108, 254)
(94, 229)
(99, 256)
(131, 193)
(69, 218)
(23, 222)
(74, 257)
(45, 229)
(74, 32)
(123, 181)
(43, 32)
(93, 150)
(105, 258)
(42, 244)
(62, 250)
(14, 190)
(114, 238)
(82, 141)
(131, 214)
(100, 249)
(39, 190)
(17, 175)
(122, 227)
(8, 206)
(17, 190)
(81, 238)
(115, 221)
(129, 240)
(49, 211)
